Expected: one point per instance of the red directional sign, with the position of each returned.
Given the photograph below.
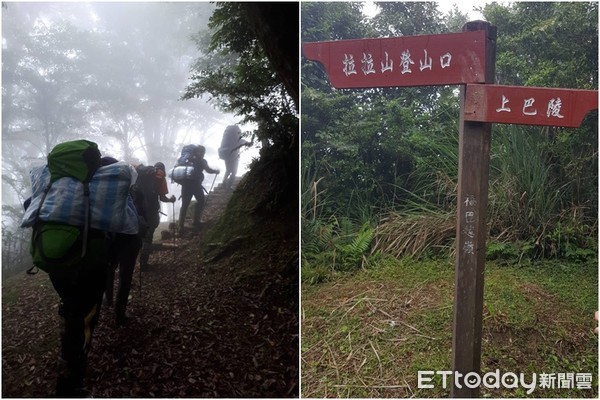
(528, 105)
(448, 59)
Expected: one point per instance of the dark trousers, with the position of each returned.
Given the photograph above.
(123, 254)
(189, 190)
(80, 301)
(153, 222)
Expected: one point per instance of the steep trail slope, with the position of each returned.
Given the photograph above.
(220, 324)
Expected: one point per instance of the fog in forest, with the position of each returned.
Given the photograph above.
(112, 73)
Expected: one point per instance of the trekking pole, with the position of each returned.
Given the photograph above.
(174, 234)
(213, 183)
(207, 195)
(140, 281)
(174, 224)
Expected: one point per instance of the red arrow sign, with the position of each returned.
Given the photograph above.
(402, 61)
(528, 105)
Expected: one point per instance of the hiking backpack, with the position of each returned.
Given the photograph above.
(188, 155)
(56, 246)
(146, 184)
(184, 169)
(229, 142)
(146, 179)
(71, 195)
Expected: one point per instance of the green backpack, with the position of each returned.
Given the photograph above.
(57, 247)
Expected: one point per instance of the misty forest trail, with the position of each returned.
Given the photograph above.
(196, 329)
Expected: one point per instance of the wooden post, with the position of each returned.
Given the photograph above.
(473, 174)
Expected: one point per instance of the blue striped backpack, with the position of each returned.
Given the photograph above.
(57, 247)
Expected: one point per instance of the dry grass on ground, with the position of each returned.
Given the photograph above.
(367, 335)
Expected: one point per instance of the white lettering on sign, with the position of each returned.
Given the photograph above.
(469, 229)
(469, 247)
(470, 217)
(405, 61)
(554, 106)
(349, 66)
(553, 109)
(426, 63)
(367, 62)
(503, 107)
(470, 201)
(387, 63)
(445, 60)
(528, 103)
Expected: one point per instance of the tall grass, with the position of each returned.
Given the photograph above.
(313, 197)
(525, 201)
(425, 223)
(435, 178)
(335, 237)
(528, 201)
(528, 205)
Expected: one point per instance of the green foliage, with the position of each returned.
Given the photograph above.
(552, 45)
(408, 18)
(364, 137)
(331, 21)
(525, 195)
(529, 204)
(333, 246)
(560, 41)
(500, 250)
(573, 243)
(352, 250)
(395, 150)
(239, 77)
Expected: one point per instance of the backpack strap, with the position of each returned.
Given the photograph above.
(86, 226)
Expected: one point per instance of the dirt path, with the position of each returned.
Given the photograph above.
(198, 329)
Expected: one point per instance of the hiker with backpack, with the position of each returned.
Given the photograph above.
(123, 253)
(230, 152)
(152, 183)
(189, 174)
(74, 204)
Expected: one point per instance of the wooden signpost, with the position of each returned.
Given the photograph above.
(468, 59)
